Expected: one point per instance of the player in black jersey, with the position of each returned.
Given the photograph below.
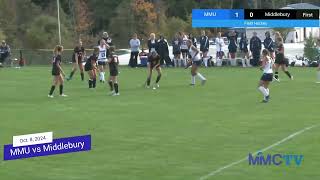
(153, 63)
(91, 68)
(113, 62)
(77, 58)
(57, 72)
(280, 58)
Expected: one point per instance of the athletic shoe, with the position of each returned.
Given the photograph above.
(154, 88)
(50, 96)
(100, 80)
(291, 77)
(63, 95)
(203, 82)
(265, 101)
(111, 93)
(267, 98)
(278, 80)
(157, 85)
(148, 87)
(192, 85)
(68, 78)
(116, 94)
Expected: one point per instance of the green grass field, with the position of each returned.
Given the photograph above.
(173, 133)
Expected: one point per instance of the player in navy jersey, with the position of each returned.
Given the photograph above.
(113, 62)
(91, 68)
(77, 58)
(266, 78)
(57, 72)
(153, 63)
(280, 60)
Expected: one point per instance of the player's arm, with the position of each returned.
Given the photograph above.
(60, 69)
(263, 63)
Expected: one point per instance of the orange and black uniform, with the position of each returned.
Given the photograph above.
(154, 61)
(80, 51)
(56, 61)
(91, 60)
(113, 66)
(279, 55)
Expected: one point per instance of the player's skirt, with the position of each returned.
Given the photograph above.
(87, 67)
(114, 72)
(184, 50)
(102, 62)
(266, 77)
(280, 59)
(55, 72)
(196, 63)
(220, 54)
(176, 52)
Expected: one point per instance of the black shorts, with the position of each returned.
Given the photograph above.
(184, 50)
(203, 50)
(197, 63)
(266, 77)
(102, 63)
(176, 52)
(280, 59)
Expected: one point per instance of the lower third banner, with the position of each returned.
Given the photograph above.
(57, 146)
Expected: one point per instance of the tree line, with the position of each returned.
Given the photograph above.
(32, 24)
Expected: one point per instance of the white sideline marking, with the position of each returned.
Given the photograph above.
(264, 149)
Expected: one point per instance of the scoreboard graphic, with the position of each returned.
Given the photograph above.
(202, 18)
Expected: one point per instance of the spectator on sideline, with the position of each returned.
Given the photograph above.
(219, 48)
(134, 46)
(152, 43)
(204, 47)
(255, 48)
(243, 46)
(4, 52)
(163, 51)
(193, 39)
(176, 50)
(269, 44)
(232, 36)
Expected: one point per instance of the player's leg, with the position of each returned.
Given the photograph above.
(61, 81)
(94, 78)
(73, 70)
(81, 71)
(285, 70)
(318, 74)
(53, 86)
(111, 84)
(90, 81)
(262, 89)
(196, 65)
(276, 73)
(158, 69)
(116, 85)
(149, 76)
(205, 58)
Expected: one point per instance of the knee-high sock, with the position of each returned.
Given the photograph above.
(276, 75)
(248, 62)
(90, 82)
(158, 78)
(205, 61)
(243, 62)
(200, 76)
(82, 76)
(268, 91)
(94, 82)
(148, 81)
(71, 74)
(263, 91)
(51, 90)
(193, 79)
(61, 89)
(111, 85)
(116, 87)
(288, 74)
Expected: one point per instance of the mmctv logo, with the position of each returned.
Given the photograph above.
(274, 159)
